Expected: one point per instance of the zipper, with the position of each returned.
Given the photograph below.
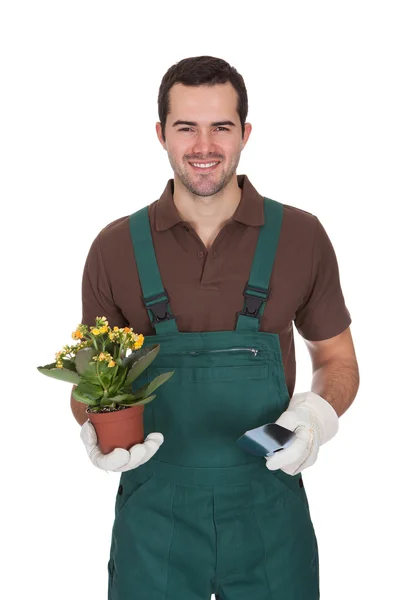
(255, 351)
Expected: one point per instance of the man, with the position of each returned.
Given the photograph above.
(217, 274)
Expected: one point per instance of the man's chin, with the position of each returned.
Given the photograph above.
(205, 191)
(204, 188)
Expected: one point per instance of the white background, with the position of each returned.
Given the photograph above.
(78, 149)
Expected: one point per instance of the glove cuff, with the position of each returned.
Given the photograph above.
(321, 409)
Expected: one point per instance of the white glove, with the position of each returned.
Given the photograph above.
(315, 422)
(119, 459)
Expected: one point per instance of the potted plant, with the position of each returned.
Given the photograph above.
(103, 365)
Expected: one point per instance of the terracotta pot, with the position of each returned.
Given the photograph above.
(118, 428)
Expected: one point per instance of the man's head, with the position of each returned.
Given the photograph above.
(202, 106)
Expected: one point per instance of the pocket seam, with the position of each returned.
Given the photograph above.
(128, 501)
(291, 493)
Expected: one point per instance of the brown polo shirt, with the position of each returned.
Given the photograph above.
(205, 287)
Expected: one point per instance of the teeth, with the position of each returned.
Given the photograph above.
(206, 166)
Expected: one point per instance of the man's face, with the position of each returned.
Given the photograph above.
(203, 128)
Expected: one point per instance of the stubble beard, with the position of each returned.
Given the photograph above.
(208, 186)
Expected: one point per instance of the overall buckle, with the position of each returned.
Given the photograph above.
(253, 303)
(159, 309)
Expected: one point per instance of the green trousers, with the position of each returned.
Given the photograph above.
(203, 516)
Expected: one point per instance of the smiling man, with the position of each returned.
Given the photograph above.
(217, 274)
(204, 154)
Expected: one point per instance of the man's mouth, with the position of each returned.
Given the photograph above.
(204, 166)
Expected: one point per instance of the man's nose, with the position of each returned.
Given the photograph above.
(203, 145)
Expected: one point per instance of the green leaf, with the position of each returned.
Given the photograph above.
(106, 401)
(135, 355)
(83, 358)
(139, 354)
(106, 373)
(96, 368)
(90, 373)
(88, 393)
(135, 402)
(118, 381)
(140, 393)
(150, 387)
(69, 364)
(159, 380)
(142, 359)
(122, 398)
(61, 374)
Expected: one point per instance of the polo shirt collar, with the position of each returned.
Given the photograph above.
(250, 210)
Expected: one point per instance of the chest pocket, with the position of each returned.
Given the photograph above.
(225, 364)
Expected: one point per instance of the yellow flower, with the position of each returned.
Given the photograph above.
(139, 342)
(103, 329)
(111, 363)
(126, 329)
(102, 356)
(77, 335)
(116, 328)
(96, 331)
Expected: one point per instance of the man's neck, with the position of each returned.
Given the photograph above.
(207, 214)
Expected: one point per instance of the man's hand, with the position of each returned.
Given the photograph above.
(315, 422)
(119, 459)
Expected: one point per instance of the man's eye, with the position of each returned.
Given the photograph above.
(190, 129)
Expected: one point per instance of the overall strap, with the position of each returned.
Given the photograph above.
(154, 295)
(256, 291)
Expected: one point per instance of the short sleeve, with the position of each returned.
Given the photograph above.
(97, 297)
(323, 313)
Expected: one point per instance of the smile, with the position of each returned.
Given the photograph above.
(204, 166)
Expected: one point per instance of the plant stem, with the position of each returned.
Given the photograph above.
(94, 342)
(114, 374)
(98, 375)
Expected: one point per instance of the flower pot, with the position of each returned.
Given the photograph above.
(119, 428)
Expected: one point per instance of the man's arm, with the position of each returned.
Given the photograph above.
(78, 409)
(314, 415)
(335, 370)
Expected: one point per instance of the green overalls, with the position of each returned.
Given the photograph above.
(203, 516)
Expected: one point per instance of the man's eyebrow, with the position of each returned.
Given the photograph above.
(194, 124)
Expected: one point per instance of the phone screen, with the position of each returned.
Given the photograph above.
(266, 440)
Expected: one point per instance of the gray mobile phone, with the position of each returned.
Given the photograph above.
(266, 440)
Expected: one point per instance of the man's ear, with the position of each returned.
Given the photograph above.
(247, 131)
(159, 134)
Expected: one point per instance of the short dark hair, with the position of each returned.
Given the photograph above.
(201, 70)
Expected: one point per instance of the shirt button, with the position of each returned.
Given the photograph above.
(200, 254)
(215, 255)
(186, 228)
